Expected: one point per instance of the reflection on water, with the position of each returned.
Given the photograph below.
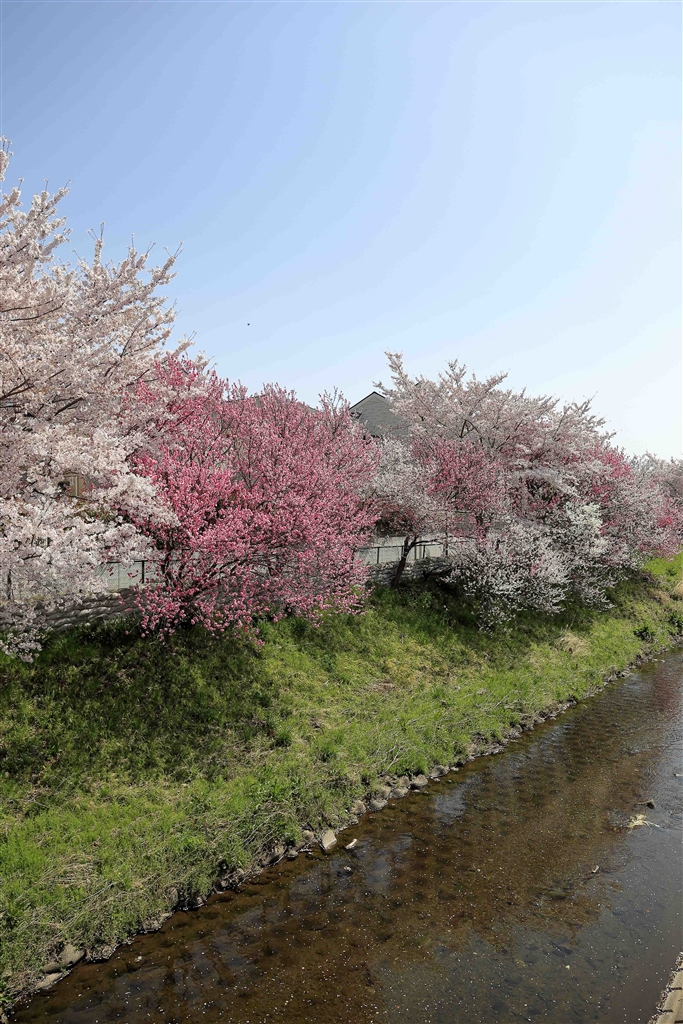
(477, 901)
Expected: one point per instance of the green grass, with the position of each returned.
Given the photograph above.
(132, 773)
(671, 569)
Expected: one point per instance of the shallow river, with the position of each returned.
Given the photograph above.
(510, 891)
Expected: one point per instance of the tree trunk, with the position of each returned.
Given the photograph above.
(408, 545)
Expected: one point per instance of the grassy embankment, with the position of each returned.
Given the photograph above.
(132, 773)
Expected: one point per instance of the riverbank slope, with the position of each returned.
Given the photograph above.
(133, 774)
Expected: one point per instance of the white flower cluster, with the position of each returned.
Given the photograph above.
(74, 342)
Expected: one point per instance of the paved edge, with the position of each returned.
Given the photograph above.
(670, 1005)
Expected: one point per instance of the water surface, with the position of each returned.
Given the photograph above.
(475, 901)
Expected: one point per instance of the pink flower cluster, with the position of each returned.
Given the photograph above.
(260, 503)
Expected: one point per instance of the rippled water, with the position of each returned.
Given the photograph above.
(475, 901)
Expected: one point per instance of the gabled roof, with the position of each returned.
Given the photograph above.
(379, 419)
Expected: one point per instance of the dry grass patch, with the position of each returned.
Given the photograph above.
(573, 644)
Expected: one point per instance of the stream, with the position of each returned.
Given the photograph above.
(512, 890)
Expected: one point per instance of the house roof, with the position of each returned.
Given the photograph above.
(379, 419)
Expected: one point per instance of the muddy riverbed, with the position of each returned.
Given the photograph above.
(513, 890)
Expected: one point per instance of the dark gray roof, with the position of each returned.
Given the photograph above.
(375, 413)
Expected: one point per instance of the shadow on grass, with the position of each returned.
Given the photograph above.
(103, 697)
(103, 700)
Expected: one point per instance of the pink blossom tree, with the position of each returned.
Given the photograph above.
(467, 479)
(641, 515)
(666, 475)
(262, 506)
(75, 341)
(432, 489)
(567, 506)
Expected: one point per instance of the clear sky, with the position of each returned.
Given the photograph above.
(496, 182)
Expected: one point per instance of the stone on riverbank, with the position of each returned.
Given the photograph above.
(66, 959)
(328, 840)
(47, 981)
(153, 924)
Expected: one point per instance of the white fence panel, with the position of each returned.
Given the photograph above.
(118, 576)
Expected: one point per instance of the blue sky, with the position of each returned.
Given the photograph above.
(498, 183)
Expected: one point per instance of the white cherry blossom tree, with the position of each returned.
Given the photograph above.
(75, 340)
